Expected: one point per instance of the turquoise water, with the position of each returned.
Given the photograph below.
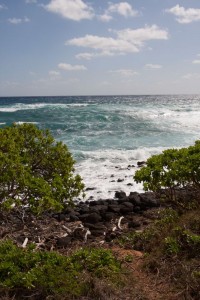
(107, 133)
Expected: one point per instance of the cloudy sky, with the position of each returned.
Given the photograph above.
(80, 47)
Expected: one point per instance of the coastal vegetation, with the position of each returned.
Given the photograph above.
(36, 171)
(40, 274)
(155, 257)
(172, 169)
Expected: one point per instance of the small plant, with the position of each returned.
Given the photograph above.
(171, 246)
(128, 258)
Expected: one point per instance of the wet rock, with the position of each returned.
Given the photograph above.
(120, 194)
(73, 218)
(92, 218)
(108, 216)
(99, 208)
(114, 208)
(90, 189)
(148, 200)
(93, 203)
(84, 209)
(120, 180)
(128, 204)
(125, 209)
(121, 201)
(141, 163)
(134, 198)
(137, 209)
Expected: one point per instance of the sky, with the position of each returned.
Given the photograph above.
(79, 47)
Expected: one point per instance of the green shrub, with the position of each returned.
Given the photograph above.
(35, 170)
(171, 169)
(171, 245)
(183, 241)
(50, 273)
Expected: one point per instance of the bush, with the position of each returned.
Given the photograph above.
(183, 241)
(26, 272)
(35, 170)
(171, 169)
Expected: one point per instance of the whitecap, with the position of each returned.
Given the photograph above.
(104, 169)
(23, 106)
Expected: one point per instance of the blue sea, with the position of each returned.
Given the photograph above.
(108, 135)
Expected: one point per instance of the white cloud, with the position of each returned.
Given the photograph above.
(153, 66)
(123, 8)
(54, 73)
(69, 67)
(70, 9)
(185, 16)
(125, 72)
(16, 21)
(127, 41)
(89, 56)
(196, 61)
(103, 44)
(141, 35)
(105, 17)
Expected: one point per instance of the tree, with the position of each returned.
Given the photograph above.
(35, 170)
(170, 169)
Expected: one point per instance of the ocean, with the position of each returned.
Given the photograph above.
(108, 135)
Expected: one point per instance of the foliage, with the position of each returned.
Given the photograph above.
(49, 273)
(151, 236)
(35, 170)
(183, 241)
(172, 246)
(171, 169)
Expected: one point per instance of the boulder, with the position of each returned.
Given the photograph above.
(114, 208)
(120, 194)
(92, 218)
(134, 198)
(141, 163)
(108, 216)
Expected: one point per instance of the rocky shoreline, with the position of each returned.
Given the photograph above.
(87, 222)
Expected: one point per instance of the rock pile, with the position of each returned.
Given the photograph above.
(109, 218)
(87, 222)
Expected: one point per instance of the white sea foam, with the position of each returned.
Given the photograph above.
(22, 122)
(23, 106)
(101, 170)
